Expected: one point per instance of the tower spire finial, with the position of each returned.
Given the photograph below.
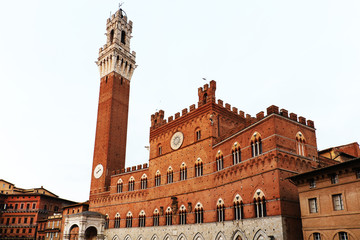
(120, 4)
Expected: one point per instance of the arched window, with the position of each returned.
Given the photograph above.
(107, 220)
(119, 186)
(236, 153)
(256, 144)
(197, 134)
(129, 218)
(219, 161)
(198, 168)
(156, 216)
(170, 175)
(316, 236)
(111, 36)
(159, 150)
(142, 218)
(131, 183)
(123, 36)
(117, 221)
(238, 208)
(300, 144)
(220, 208)
(182, 215)
(144, 181)
(343, 236)
(259, 204)
(183, 172)
(199, 213)
(168, 216)
(157, 178)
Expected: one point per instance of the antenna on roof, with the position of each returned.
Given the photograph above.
(120, 4)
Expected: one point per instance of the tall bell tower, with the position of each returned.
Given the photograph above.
(116, 64)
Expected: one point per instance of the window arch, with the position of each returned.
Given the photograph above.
(343, 236)
(156, 216)
(183, 171)
(131, 183)
(129, 218)
(300, 144)
(256, 144)
(219, 161)
(119, 186)
(238, 208)
(316, 236)
(199, 213)
(220, 208)
(198, 167)
(159, 150)
(123, 37)
(259, 204)
(142, 218)
(117, 221)
(168, 216)
(107, 220)
(197, 134)
(111, 36)
(144, 181)
(170, 175)
(236, 153)
(182, 215)
(157, 178)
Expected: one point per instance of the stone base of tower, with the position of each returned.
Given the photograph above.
(246, 229)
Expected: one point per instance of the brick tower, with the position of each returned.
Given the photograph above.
(116, 64)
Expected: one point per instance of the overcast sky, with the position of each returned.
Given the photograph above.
(303, 56)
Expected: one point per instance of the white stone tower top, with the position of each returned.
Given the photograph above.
(115, 55)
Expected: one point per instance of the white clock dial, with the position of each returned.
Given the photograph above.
(99, 169)
(177, 140)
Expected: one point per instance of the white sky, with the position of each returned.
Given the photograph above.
(303, 56)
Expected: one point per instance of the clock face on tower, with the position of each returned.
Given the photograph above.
(99, 169)
(177, 140)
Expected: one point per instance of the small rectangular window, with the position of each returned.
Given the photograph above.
(334, 179)
(338, 202)
(358, 173)
(160, 150)
(313, 205)
(312, 183)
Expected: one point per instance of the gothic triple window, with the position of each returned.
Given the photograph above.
(117, 221)
(157, 178)
(220, 209)
(300, 144)
(199, 213)
(183, 172)
(156, 217)
(144, 181)
(129, 218)
(168, 216)
(219, 161)
(170, 175)
(119, 186)
(238, 208)
(198, 168)
(236, 153)
(142, 218)
(259, 204)
(182, 215)
(131, 183)
(256, 145)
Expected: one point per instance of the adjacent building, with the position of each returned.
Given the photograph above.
(329, 200)
(23, 209)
